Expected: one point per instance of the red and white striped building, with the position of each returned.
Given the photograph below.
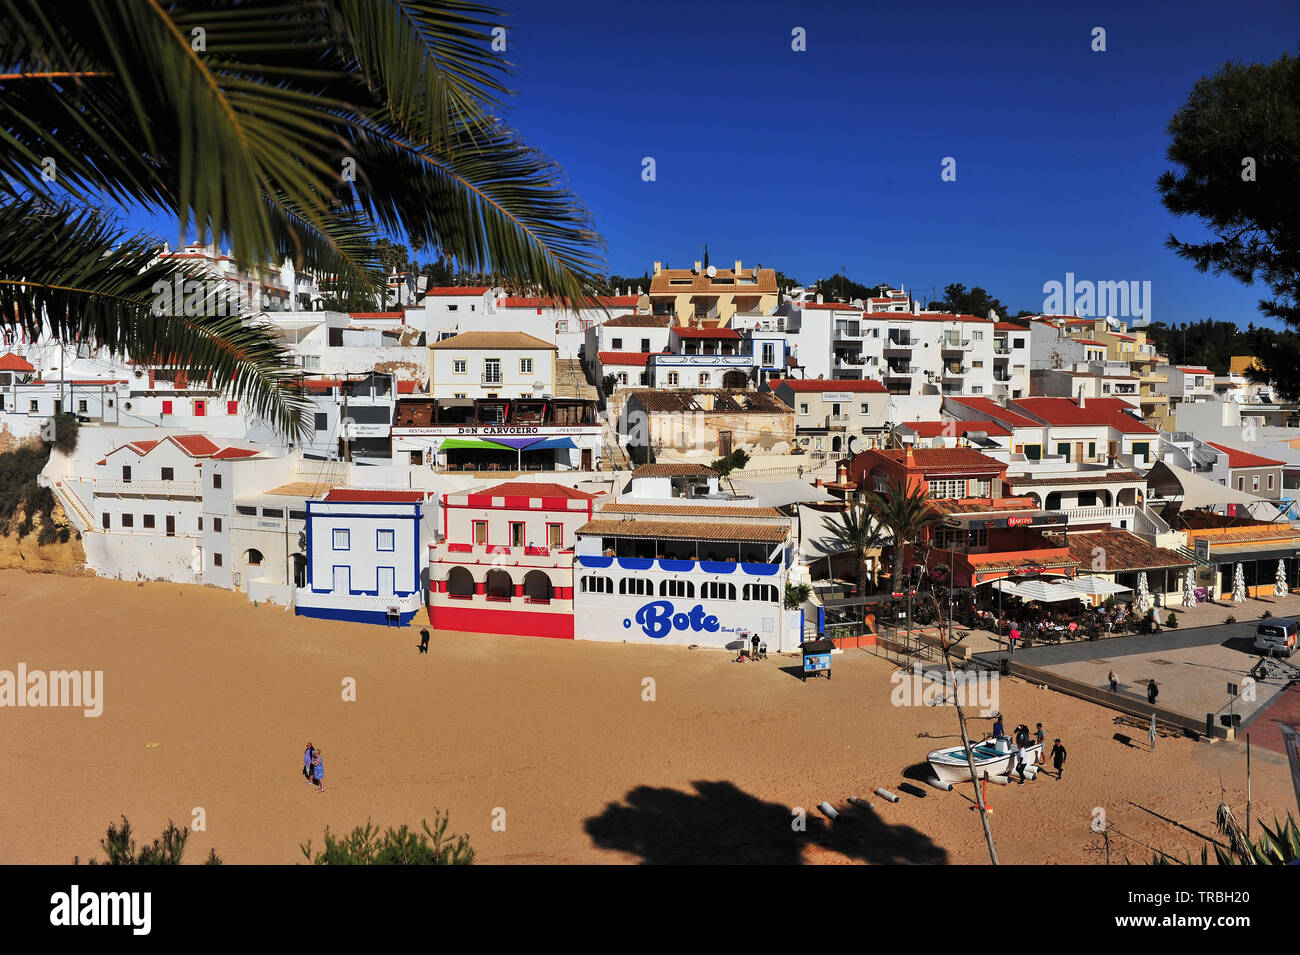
(505, 563)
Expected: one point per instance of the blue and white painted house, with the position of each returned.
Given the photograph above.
(677, 561)
(366, 555)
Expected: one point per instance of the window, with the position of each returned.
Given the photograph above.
(322, 421)
(273, 512)
(977, 336)
(216, 481)
(1270, 482)
(453, 308)
(525, 366)
(126, 473)
(232, 407)
(704, 379)
(672, 378)
(769, 354)
(216, 525)
(516, 533)
(1142, 449)
(637, 586)
(246, 510)
(81, 405)
(297, 515)
(128, 520)
(168, 474)
(978, 537)
(200, 522)
(803, 407)
(622, 378)
(492, 370)
(1254, 483)
(762, 593)
(948, 489)
(616, 344)
(1241, 484)
(981, 489)
(717, 590)
(216, 560)
(1018, 343)
(148, 520)
(864, 408)
(1092, 449)
(1063, 450)
(480, 533)
(459, 366)
(676, 588)
(554, 535)
(108, 521)
(645, 345)
(385, 540)
(879, 483)
(342, 539)
(35, 406)
(200, 408)
(597, 585)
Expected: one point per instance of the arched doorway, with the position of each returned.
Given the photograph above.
(835, 444)
(253, 557)
(299, 570)
(460, 582)
(735, 379)
(499, 585)
(537, 587)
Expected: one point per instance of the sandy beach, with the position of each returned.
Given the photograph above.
(552, 738)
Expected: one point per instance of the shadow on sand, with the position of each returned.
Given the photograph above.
(719, 824)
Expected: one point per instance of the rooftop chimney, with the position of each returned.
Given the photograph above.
(659, 267)
(1082, 397)
(737, 270)
(698, 265)
(910, 458)
(819, 298)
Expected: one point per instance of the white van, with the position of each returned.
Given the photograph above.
(1277, 637)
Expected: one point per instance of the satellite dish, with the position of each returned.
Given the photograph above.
(712, 270)
(857, 303)
(852, 444)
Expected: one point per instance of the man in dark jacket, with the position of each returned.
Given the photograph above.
(1058, 758)
(1152, 692)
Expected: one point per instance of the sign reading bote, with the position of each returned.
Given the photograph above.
(658, 618)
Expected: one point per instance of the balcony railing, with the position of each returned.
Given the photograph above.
(955, 370)
(905, 371)
(837, 419)
(955, 344)
(899, 344)
(850, 359)
(148, 488)
(491, 379)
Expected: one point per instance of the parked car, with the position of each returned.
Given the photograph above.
(1277, 637)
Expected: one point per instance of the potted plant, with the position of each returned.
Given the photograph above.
(1172, 619)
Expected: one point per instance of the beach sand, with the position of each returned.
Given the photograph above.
(543, 751)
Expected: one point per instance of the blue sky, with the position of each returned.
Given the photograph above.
(829, 158)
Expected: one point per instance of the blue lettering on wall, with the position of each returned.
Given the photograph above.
(658, 618)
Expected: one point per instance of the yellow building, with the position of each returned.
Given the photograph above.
(1240, 364)
(708, 298)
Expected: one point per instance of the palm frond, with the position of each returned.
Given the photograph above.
(74, 276)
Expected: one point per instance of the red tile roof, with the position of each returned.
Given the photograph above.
(1066, 412)
(1009, 327)
(531, 489)
(944, 459)
(825, 384)
(195, 445)
(684, 332)
(359, 494)
(225, 453)
(1088, 341)
(1195, 370)
(11, 362)
(441, 290)
(609, 301)
(935, 429)
(837, 306)
(639, 359)
(1244, 459)
(389, 315)
(991, 409)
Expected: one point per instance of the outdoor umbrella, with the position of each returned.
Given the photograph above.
(1189, 589)
(1279, 583)
(1144, 601)
(1239, 586)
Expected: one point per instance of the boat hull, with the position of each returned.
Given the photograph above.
(951, 765)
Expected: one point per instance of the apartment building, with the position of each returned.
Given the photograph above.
(835, 417)
(499, 364)
(706, 296)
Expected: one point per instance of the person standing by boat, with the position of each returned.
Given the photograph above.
(1058, 758)
(998, 728)
(1021, 756)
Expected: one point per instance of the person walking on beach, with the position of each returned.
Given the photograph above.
(308, 754)
(1058, 758)
(318, 772)
(1152, 692)
(424, 641)
(1039, 738)
(1114, 682)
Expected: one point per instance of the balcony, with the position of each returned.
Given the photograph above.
(487, 380)
(1002, 377)
(1001, 348)
(186, 489)
(905, 371)
(837, 420)
(855, 360)
(955, 371)
(955, 344)
(502, 555)
(899, 344)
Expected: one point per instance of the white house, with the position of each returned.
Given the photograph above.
(502, 364)
(367, 555)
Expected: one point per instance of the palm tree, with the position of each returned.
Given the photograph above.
(304, 130)
(905, 515)
(859, 534)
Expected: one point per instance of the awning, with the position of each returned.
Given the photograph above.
(1167, 480)
(1246, 553)
(1096, 585)
(455, 444)
(1041, 591)
(549, 444)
